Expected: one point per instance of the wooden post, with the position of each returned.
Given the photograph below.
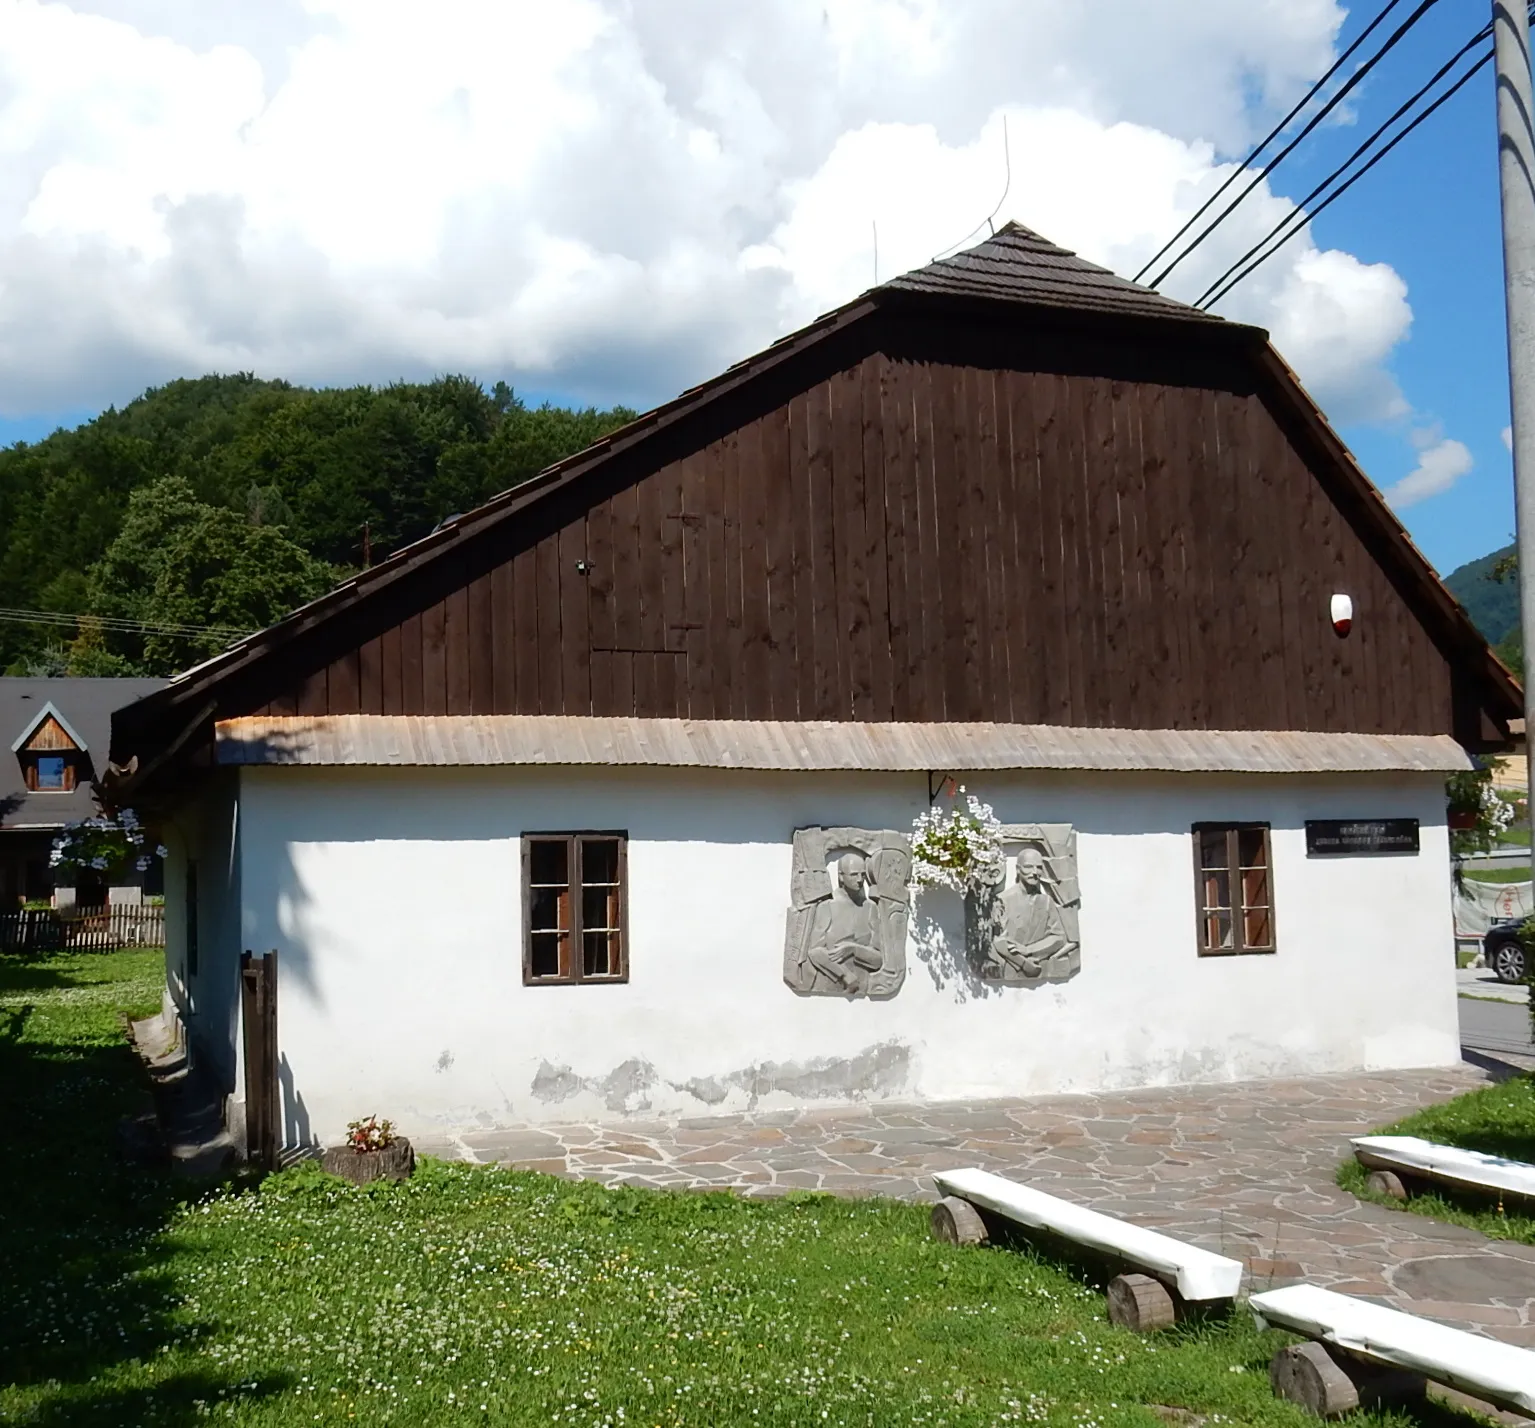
(258, 997)
(1140, 1303)
(1332, 1384)
(1386, 1182)
(957, 1222)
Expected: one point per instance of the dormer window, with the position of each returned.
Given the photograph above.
(53, 757)
(51, 773)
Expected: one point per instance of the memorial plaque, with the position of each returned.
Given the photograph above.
(1361, 835)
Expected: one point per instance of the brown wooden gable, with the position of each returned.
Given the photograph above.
(50, 737)
(910, 539)
(930, 505)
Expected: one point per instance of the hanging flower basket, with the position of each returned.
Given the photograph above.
(958, 848)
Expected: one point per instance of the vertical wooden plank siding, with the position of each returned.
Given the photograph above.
(923, 541)
(876, 559)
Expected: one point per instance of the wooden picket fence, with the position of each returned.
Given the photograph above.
(83, 929)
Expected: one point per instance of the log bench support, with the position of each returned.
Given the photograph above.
(1330, 1383)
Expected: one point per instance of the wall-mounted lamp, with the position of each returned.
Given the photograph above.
(1342, 613)
(582, 566)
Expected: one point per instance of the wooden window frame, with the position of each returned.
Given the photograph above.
(575, 840)
(1239, 947)
(33, 773)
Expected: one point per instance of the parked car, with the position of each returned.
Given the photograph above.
(1503, 951)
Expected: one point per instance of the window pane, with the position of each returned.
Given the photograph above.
(1250, 848)
(548, 860)
(1256, 928)
(599, 909)
(1216, 889)
(1217, 927)
(1255, 887)
(599, 860)
(50, 772)
(599, 954)
(1212, 848)
(549, 910)
(545, 953)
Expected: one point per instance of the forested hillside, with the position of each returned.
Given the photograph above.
(225, 501)
(1489, 589)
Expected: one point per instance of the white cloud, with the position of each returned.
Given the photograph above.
(605, 198)
(1507, 436)
(1441, 463)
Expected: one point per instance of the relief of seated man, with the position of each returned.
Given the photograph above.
(844, 938)
(1030, 935)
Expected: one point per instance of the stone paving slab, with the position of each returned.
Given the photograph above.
(1244, 1169)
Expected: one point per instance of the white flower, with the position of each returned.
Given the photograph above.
(161, 851)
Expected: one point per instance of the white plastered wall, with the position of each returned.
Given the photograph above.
(393, 896)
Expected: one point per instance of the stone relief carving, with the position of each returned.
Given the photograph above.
(1023, 931)
(849, 907)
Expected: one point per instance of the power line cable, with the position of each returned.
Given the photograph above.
(1007, 188)
(1349, 85)
(1268, 139)
(1298, 214)
(118, 624)
(1339, 192)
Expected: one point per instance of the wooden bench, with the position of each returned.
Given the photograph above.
(1171, 1275)
(1394, 1160)
(1365, 1354)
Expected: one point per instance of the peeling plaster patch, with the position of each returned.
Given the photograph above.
(880, 1070)
(624, 1089)
(628, 1083)
(555, 1083)
(445, 1061)
(706, 1089)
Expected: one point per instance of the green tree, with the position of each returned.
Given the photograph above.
(178, 560)
(316, 465)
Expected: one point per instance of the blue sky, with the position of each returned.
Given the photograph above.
(175, 209)
(1431, 210)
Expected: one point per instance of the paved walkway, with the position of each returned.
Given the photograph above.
(1482, 982)
(1245, 1169)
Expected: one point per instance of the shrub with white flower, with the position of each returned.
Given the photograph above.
(1479, 814)
(958, 847)
(109, 840)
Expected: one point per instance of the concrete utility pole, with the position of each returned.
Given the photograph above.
(1516, 173)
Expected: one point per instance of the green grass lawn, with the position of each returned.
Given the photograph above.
(1499, 1120)
(1498, 875)
(486, 1296)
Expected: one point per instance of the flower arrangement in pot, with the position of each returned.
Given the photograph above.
(958, 848)
(373, 1151)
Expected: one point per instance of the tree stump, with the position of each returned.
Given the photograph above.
(1308, 1375)
(1140, 1303)
(1386, 1182)
(958, 1222)
(394, 1162)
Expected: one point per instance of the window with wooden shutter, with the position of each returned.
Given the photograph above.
(1234, 881)
(575, 908)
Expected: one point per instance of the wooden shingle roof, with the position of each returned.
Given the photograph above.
(1017, 265)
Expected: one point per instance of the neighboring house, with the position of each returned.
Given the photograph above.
(57, 731)
(596, 801)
